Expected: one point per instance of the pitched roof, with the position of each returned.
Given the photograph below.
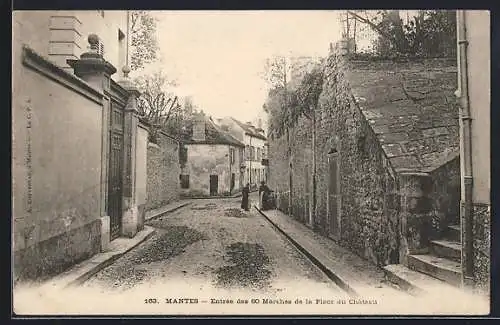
(213, 135)
(248, 130)
(412, 109)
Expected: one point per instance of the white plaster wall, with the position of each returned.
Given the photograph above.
(478, 35)
(141, 166)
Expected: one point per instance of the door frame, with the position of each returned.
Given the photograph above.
(216, 177)
(334, 154)
(114, 208)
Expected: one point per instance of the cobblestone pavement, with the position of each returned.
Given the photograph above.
(213, 246)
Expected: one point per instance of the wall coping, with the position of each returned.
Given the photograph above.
(37, 62)
(153, 145)
(117, 89)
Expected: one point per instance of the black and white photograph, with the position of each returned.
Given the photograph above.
(253, 162)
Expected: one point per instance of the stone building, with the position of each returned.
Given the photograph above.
(211, 163)
(255, 156)
(78, 149)
(386, 163)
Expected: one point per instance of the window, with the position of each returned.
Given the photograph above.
(247, 153)
(231, 155)
(183, 155)
(184, 181)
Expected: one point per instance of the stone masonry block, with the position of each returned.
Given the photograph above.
(65, 22)
(435, 132)
(393, 150)
(105, 232)
(130, 222)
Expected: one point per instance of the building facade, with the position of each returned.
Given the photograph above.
(60, 35)
(473, 36)
(255, 155)
(78, 149)
(211, 163)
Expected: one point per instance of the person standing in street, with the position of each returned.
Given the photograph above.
(263, 191)
(244, 197)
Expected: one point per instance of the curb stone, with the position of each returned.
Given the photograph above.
(342, 283)
(84, 270)
(158, 214)
(107, 262)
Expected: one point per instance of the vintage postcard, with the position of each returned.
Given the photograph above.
(331, 162)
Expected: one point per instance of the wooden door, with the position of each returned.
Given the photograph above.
(214, 184)
(333, 195)
(115, 172)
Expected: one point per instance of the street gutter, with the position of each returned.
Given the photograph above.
(324, 268)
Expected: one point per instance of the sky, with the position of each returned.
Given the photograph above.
(218, 57)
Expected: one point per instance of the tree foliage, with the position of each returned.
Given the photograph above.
(144, 44)
(157, 105)
(288, 100)
(429, 33)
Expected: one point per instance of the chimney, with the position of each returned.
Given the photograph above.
(346, 46)
(199, 128)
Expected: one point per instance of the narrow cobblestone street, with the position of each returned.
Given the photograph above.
(217, 246)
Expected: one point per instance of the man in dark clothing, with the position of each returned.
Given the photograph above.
(244, 198)
(263, 194)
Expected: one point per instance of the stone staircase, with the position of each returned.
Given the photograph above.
(440, 269)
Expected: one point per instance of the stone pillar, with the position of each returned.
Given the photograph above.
(414, 215)
(130, 220)
(96, 71)
(92, 67)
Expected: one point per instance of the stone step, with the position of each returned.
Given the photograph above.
(437, 267)
(453, 233)
(417, 283)
(447, 249)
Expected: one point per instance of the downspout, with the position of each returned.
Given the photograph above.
(466, 218)
(230, 171)
(129, 30)
(250, 165)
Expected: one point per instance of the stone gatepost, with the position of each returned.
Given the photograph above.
(416, 206)
(96, 71)
(131, 215)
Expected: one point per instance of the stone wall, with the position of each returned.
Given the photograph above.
(369, 202)
(301, 151)
(445, 196)
(278, 171)
(482, 246)
(163, 171)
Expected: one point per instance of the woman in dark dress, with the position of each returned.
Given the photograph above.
(244, 197)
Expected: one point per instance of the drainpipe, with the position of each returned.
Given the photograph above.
(466, 218)
(230, 171)
(129, 30)
(250, 164)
